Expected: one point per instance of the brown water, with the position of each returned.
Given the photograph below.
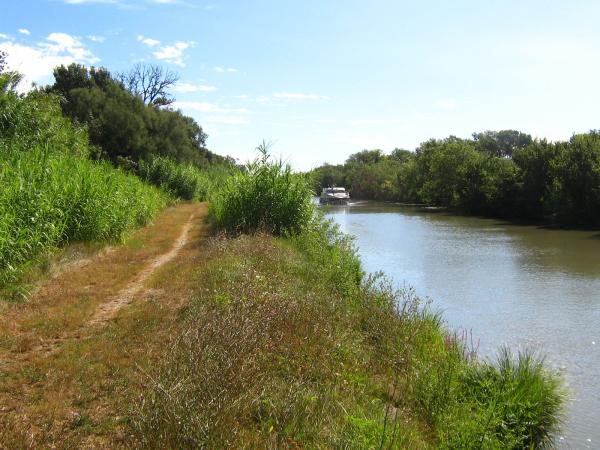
(523, 286)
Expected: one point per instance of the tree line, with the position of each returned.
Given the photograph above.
(502, 174)
(129, 117)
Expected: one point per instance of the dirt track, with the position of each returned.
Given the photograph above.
(43, 340)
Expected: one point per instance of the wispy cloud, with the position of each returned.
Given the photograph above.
(207, 107)
(37, 61)
(148, 41)
(299, 96)
(24, 31)
(185, 88)
(225, 69)
(94, 38)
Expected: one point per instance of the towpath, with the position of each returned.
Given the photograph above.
(76, 343)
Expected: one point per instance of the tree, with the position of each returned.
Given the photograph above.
(150, 82)
(501, 143)
(366, 157)
(3, 57)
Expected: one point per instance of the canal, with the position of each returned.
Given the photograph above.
(527, 287)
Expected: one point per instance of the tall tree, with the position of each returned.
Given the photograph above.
(501, 143)
(150, 82)
(3, 57)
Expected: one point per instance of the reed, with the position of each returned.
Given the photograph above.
(266, 196)
(181, 180)
(51, 198)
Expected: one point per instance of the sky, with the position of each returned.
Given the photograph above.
(322, 79)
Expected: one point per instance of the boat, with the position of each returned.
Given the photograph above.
(334, 196)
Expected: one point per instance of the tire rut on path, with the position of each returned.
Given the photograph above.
(108, 308)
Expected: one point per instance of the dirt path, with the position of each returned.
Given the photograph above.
(48, 344)
(109, 309)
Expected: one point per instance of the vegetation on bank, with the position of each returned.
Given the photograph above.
(52, 193)
(285, 342)
(505, 174)
(288, 343)
(265, 196)
(77, 161)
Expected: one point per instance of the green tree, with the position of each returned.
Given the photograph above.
(501, 143)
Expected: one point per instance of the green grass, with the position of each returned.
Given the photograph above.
(184, 181)
(266, 196)
(52, 193)
(289, 344)
(49, 199)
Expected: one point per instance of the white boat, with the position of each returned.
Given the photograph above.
(334, 196)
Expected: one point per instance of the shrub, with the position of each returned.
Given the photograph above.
(51, 192)
(49, 199)
(266, 196)
(182, 180)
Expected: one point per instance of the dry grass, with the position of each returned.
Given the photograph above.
(71, 396)
(268, 356)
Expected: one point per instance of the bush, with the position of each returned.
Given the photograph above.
(267, 196)
(49, 199)
(182, 180)
(51, 192)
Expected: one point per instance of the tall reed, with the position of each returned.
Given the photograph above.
(266, 196)
(49, 199)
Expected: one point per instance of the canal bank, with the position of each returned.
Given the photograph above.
(503, 284)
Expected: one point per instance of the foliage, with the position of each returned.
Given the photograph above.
(122, 125)
(504, 173)
(183, 181)
(49, 199)
(266, 196)
(51, 192)
(36, 120)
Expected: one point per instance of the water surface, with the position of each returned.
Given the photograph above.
(522, 286)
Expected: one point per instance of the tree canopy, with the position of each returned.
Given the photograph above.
(504, 173)
(127, 125)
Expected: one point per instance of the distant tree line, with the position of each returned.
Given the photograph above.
(503, 174)
(128, 116)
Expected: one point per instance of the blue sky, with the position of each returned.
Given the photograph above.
(324, 79)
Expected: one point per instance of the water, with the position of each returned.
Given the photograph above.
(523, 286)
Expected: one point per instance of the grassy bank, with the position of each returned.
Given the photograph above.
(52, 193)
(287, 343)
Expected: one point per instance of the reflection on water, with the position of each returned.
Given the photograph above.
(523, 286)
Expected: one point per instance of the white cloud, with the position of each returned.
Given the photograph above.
(299, 96)
(4, 36)
(206, 107)
(94, 38)
(24, 31)
(225, 69)
(36, 62)
(148, 41)
(447, 104)
(173, 53)
(185, 88)
(83, 2)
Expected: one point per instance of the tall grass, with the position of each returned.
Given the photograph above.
(49, 199)
(266, 196)
(181, 180)
(51, 192)
(288, 343)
